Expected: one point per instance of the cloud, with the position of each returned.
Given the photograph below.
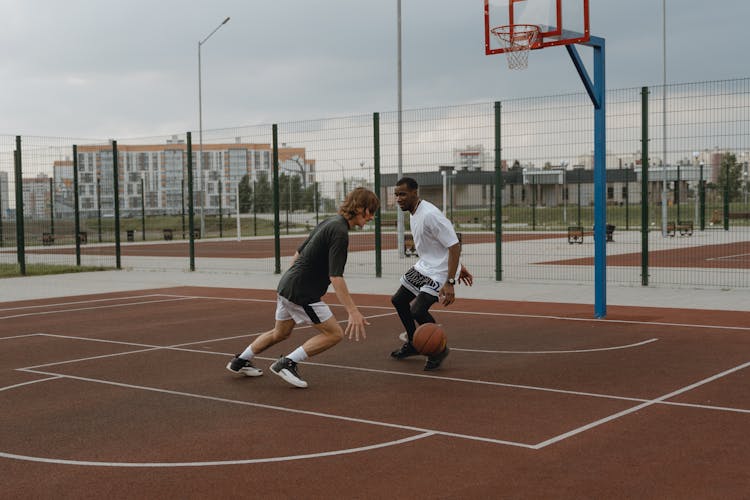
(86, 67)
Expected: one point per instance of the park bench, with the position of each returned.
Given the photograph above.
(168, 234)
(410, 249)
(717, 218)
(576, 234)
(48, 239)
(684, 227)
(83, 237)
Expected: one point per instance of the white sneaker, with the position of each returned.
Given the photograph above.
(287, 369)
(244, 367)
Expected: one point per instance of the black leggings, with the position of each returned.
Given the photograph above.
(409, 312)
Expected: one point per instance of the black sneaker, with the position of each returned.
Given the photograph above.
(433, 362)
(243, 366)
(404, 351)
(287, 369)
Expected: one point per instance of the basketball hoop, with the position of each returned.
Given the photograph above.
(517, 39)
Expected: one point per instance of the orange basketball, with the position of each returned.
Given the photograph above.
(429, 339)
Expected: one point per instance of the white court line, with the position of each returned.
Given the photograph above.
(598, 349)
(220, 462)
(639, 407)
(57, 304)
(22, 336)
(533, 316)
(8, 387)
(378, 423)
(644, 404)
(422, 432)
(179, 347)
(726, 257)
(473, 313)
(61, 311)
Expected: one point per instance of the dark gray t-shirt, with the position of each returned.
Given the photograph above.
(322, 255)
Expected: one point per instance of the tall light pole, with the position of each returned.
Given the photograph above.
(664, 121)
(343, 179)
(200, 129)
(399, 213)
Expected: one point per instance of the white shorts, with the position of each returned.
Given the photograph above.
(315, 313)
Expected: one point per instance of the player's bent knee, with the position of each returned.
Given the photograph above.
(337, 335)
(332, 330)
(282, 330)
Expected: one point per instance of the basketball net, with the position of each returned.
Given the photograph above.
(517, 40)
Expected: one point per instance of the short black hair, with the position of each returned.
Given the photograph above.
(410, 183)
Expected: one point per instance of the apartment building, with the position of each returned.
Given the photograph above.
(155, 175)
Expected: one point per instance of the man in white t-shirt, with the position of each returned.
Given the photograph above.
(432, 278)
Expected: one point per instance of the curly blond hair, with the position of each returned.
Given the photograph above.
(359, 198)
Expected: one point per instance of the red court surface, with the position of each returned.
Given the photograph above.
(720, 256)
(125, 395)
(262, 248)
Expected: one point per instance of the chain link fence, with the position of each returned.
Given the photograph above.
(241, 199)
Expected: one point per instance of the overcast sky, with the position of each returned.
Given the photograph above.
(120, 69)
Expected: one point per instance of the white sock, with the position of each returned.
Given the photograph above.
(298, 355)
(247, 353)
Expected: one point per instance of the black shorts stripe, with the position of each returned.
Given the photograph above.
(311, 314)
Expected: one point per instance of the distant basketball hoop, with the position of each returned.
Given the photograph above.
(517, 40)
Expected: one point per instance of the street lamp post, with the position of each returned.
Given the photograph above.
(200, 127)
(99, 206)
(343, 179)
(696, 190)
(143, 209)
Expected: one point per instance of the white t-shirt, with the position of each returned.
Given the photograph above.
(433, 234)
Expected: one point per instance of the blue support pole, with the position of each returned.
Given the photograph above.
(597, 92)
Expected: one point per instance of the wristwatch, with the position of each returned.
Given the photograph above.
(452, 281)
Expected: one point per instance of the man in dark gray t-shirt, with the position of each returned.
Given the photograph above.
(322, 255)
(318, 262)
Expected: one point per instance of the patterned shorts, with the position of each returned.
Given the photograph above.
(416, 282)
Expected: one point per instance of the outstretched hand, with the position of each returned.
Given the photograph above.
(465, 276)
(356, 326)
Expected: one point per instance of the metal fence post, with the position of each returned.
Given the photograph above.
(726, 196)
(20, 242)
(498, 195)
(376, 187)
(191, 201)
(276, 216)
(116, 192)
(702, 196)
(76, 209)
(644, 186)
(52, 206)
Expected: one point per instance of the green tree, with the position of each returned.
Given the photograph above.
(263, 193)
(246, 195)
(730, 177)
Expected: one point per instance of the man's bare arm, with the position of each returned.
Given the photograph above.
(356, 326)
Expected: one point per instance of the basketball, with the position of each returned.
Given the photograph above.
(429, 339)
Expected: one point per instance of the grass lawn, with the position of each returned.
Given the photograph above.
(14, 270)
